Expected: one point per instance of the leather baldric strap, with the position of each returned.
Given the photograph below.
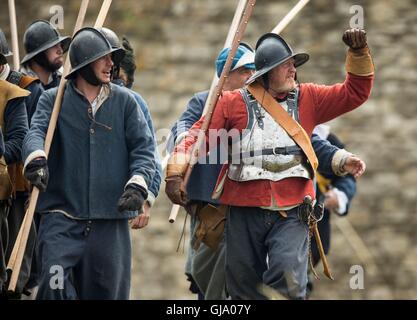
(292, 127)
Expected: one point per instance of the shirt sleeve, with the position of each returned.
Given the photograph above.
(33, 144)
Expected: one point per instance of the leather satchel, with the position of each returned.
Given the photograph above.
(210, 228)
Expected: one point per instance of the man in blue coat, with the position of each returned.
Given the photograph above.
(14, 126)
(100, 164)
(20, 185)
(205, 266)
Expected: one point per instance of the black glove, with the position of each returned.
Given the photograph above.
(355, 38)
(132, 199)
(37, 173)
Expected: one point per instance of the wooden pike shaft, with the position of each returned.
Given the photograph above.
(326, 268)
(213, 94)
(105, 7)
(229, 39)
(174, 212)
(235, 23)
(357, 244)
(290, 15)
(25, 228)
(13, 30)
(13, 255)
(212, 103)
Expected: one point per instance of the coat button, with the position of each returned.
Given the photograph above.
(92, 131)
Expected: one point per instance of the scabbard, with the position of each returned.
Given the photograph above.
(326, 269)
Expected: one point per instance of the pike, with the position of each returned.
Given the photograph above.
(235, 34)
(13, 31)
(357, 244)
(215, 94)
(278, 29)
(20, 245)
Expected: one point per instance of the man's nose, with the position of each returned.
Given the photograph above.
(108, 60)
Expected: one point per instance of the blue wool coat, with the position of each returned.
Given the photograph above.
(36, 91)
(91, 160)
(208, 173)
(14, 130)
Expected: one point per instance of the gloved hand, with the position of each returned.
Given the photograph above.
(174, 191)
(37, 173)
(355, 38)
(132, 199)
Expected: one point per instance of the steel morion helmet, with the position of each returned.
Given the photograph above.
(4, 48)
(271, 51)
(40, 36)
(89, 45)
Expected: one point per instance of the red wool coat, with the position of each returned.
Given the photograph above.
(317, 104)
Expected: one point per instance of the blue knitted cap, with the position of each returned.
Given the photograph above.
(244, 57)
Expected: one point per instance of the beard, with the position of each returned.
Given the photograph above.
(43, 61)
(290, 85)
(286, 87)
(56, 64)
(88, 74)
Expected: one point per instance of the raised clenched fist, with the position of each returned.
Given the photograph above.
(355, 38)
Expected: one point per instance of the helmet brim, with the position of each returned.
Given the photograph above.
(66, 41)
(300, 59)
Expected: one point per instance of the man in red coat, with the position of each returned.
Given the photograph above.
(266, 230)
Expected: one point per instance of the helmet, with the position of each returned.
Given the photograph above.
(40, 36)
(4, 46)
(244, 57)
(111, 36)
(271, 51)
(89, 45)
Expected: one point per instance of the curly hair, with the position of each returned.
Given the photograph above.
(128, 63)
